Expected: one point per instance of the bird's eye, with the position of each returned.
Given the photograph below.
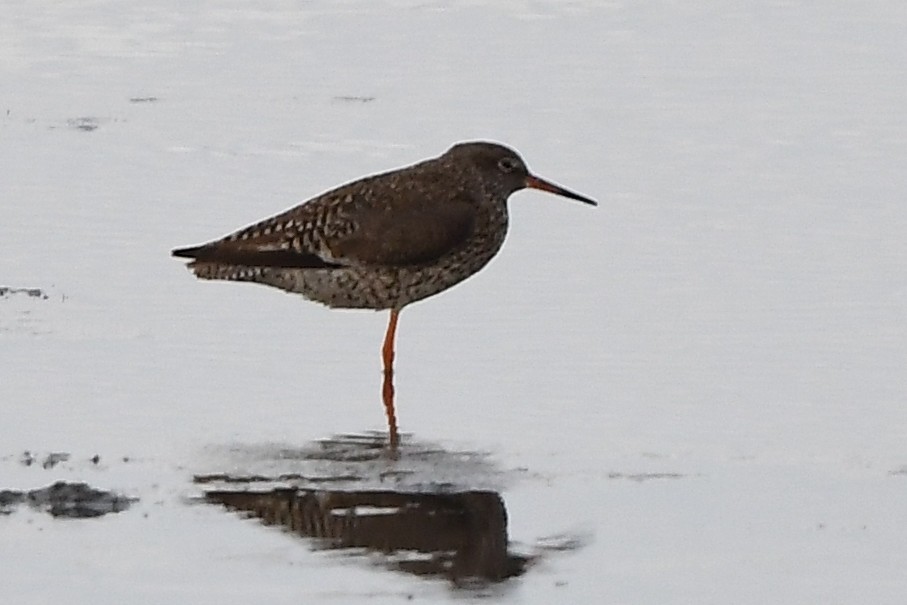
(507, 164)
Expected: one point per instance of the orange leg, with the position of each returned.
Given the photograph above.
(387, 391)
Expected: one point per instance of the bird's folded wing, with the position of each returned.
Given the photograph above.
(410, 234)
(275, 242)
(388, 228)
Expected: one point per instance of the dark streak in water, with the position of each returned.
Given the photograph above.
(353, 99)
(639, 477)
(66, 500)
(84, 124)
(225, 478)
(6, 291)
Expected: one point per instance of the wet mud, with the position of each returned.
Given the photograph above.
(25, 310)
(66, 500)
(7, 291)
(85, 124)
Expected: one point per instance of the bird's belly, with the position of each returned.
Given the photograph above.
(342, 288)
(372, 287)
(418, 283)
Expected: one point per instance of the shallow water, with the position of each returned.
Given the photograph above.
(698, 384)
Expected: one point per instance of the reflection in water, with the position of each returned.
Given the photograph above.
(429, 511)
(461, 536)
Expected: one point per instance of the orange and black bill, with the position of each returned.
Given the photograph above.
(534, 182)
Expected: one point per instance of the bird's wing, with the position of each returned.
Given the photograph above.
(270, 243)
(391, 226)
(410, 230)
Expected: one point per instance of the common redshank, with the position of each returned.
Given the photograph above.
(384, 241)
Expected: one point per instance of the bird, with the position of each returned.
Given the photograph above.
(384, 241)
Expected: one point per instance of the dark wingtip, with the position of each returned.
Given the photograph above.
(226, 255)
(192, 252)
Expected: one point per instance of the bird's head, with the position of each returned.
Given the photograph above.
(503, 170)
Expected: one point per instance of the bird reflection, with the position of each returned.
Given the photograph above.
(461, 536)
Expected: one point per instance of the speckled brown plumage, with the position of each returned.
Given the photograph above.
(384, 241)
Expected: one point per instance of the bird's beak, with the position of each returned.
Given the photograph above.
(534, 182)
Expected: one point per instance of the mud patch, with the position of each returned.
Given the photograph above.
(7, 292)
(24, 310)
(67, 500)
(50, 460)
(86, 124)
